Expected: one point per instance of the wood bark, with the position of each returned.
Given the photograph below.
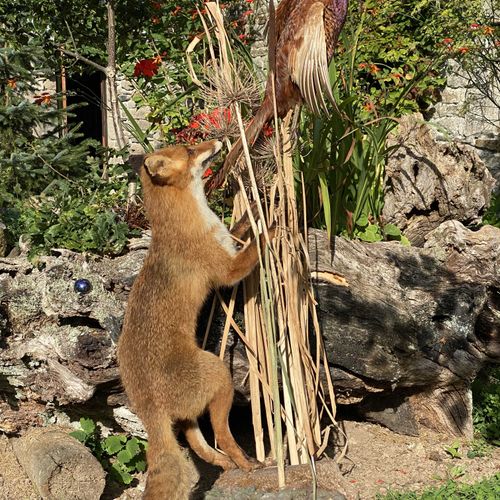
(406, 329)
(429, 182)
(59, 466)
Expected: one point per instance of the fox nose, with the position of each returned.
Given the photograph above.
(218, 146)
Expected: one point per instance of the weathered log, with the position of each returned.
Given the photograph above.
(411, 321)
(14, 483)
(59, 466)
(429, 182)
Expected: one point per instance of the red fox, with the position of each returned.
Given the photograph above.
(167, 377)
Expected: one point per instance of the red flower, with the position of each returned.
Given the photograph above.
(156, 5)
(267, 130)
(475, 26)
(177, 9)
(208, 172)
(155, 20)
(447, 41)
(146, 67)
(369, 107)
(463, 50)
(247, 13)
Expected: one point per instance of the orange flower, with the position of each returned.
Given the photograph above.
(362, 65)
(155, 20)
(247, 13)
(447, 41)
(157, 59)
(369, 107)
(44, 98)
(12, 83)
(374, 69)
(463, 50)
(177, 9)
(488, 30)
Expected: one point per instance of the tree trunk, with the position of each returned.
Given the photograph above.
(111, 77)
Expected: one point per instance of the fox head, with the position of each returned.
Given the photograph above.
(179, 165)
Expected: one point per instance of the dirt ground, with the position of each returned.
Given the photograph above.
(377, 461)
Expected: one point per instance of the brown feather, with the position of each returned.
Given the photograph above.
(306, 34)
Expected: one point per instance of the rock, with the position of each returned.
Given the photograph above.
(428, 182)
(263, 483)
(59, 465)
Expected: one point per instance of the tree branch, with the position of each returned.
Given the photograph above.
(85, 60)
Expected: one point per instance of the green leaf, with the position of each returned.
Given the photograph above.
(362, 221)
(88, 425)
(140, 466)
(392, 230)
(133, 447)
(120, 473)
(113, 444)
(80, 435)
(124, 456)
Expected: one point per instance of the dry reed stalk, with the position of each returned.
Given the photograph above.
(280, 309)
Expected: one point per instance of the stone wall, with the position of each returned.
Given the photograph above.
(464, 114)
(126, 93)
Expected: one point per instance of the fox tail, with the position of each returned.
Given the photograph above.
(168, 468)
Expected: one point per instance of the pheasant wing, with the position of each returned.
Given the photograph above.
(308, 61)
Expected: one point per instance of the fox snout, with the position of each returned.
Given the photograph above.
(204, 154)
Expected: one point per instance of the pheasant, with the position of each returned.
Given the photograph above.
(307, 32)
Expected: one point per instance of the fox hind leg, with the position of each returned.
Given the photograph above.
(219, 409)
(198, 444)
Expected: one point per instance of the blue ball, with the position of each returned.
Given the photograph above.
(82, 286)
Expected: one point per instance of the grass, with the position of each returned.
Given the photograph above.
(486, 489)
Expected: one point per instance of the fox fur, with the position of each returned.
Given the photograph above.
(167, 377)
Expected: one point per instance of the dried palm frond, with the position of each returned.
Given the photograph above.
(290, 385)
(237, 84)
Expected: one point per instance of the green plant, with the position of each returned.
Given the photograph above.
(486, 489)
(84, 214)
(401, 39)
(454, 449)
(120, 455)
(486, 409)
(492, 215)
(478, 448)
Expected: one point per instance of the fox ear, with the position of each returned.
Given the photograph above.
(159, 167)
